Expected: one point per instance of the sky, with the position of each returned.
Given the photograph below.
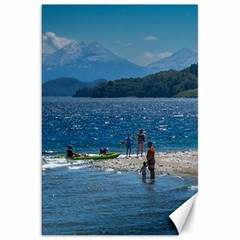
(140, 33)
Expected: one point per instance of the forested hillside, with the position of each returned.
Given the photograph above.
(162, 84)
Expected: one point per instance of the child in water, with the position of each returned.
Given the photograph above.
(143, 170)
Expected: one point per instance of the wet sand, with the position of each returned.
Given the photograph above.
(174, 163)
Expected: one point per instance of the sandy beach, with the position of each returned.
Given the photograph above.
(183, 163)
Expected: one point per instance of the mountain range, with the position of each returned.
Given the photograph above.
(177, 61)
(88, 62)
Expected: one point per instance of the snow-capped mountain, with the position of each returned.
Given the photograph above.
(179, 60)
(51, 42)
(88, 62)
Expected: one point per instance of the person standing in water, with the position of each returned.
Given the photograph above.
(143, 170)
(151, 160)
(141, 138)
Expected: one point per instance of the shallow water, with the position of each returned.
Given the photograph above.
(83, 200)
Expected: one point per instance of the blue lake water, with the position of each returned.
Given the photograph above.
(82, 200)
(90, 124)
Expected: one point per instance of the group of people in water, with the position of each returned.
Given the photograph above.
(141, 139)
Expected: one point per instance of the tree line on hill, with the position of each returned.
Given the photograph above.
(170, 83)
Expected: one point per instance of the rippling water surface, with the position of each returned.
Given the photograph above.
(78, 199)
(89, 124)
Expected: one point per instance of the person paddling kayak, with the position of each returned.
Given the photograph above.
(70, 153)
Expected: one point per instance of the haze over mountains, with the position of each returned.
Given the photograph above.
(88, 62)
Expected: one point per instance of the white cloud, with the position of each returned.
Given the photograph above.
(163, 55)
(149, 57)
(124, 44)
(150, 38)
(51, 42)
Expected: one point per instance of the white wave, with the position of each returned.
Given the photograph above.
(50, 151)
(51, 162)
(124, 156)
(163, 125)
(179, 177)
(77, 162)
(109, 170)
(162, 129)
(52, 165)
(193, 188)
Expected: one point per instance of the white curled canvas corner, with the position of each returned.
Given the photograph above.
(179, 216)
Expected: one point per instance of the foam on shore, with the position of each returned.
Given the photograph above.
(180, 163)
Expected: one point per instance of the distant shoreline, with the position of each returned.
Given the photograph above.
(181, 163)
(129, 97)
